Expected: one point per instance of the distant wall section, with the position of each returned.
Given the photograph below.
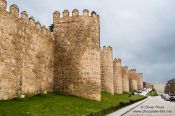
(107, 80)
(125, 79)
(117, 75)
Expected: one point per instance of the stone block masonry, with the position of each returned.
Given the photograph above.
(26, 54)
(125, 79)
(133, 79)
(68, 60)
(77, 54)
(107, 80)
(117, 75)
(140, 81)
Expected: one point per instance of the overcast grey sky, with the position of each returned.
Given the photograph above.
(141, 32)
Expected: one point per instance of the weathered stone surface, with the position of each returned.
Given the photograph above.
(125, 79)
(68, 60)
(107, 80)
(77, 55)
(140, 81)
(133, 78)
(117, 74)
(26, 57)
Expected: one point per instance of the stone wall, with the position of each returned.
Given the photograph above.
(68, 60)
(117, 75)
(125, 79)
(77, 54)
(26, 55)
(140, 81)
(107, 81)
(133, 79)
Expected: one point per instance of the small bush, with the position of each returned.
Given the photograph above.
(153, 93)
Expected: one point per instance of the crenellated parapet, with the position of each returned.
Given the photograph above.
(86, 28)
(74, 17)
(23, 19)
(106, 48)
(117, 61)
(107, 80)
(106, 51)
(125, 79)
(117, 75)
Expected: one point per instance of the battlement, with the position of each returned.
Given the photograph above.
(14, 10)
(125, 67)
(106, 48)
(66, 17)
(117, 60)
(23, 18)
(133, 70)
(24, 15)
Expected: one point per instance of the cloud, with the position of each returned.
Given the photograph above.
(141, 32)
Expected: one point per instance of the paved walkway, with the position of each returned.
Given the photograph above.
(152, 106)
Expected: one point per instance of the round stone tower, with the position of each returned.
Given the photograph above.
(107, 70)
(77, 54)
(125, 79)
(133, 78)
(140, 81)
(117, 75)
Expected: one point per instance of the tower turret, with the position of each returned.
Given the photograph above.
(107, 81)
(77, 59)
(117, 68)
(125, 79)
(140, 81)
(133, 78)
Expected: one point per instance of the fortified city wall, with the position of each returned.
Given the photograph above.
(26, 54)
(68, 60)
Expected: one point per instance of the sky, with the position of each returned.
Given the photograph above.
(141, 32)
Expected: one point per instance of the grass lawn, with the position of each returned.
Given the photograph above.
(53, 104)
